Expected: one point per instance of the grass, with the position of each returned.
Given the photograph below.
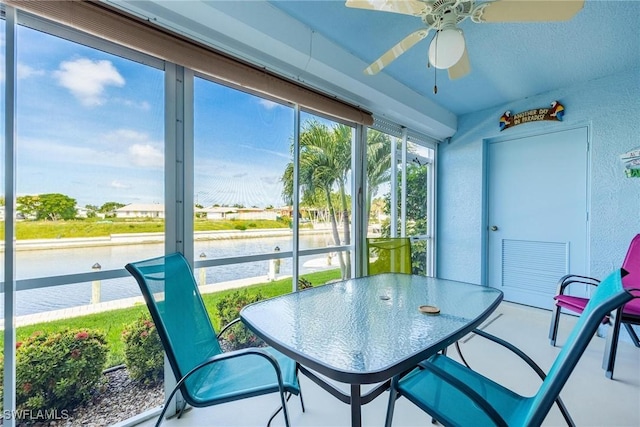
(113, 322)
(26, 230)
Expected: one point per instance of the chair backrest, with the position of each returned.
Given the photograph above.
(631, 264)
(174, 301)
(609, 295)
(389, 255)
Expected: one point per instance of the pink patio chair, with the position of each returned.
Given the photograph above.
(629, 315)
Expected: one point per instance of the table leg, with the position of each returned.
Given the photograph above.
(356, 406)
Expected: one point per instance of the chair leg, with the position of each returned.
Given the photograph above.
(277, 411)
(299, 387)
(611, 346)
(161, 417)
(181, 410)
(461, 355)
(284, 409)
(632, 334)
(167, 402)
(393, 395)
(301, 401)
(555, 321)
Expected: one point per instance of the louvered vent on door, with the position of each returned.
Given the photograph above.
(534, 266)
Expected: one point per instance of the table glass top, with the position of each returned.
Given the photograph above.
(368, 324)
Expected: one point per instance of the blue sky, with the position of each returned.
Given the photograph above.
(91, 126)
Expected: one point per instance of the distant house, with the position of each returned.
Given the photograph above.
(217, 212)
(141, 210)
(81, 212)
(256, 213)
(306, 213)
(227, 212)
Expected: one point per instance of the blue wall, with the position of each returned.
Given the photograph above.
(610, 107)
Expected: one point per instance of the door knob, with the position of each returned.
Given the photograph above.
(494, 228)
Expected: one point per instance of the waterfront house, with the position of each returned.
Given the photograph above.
(256, 213)
(215, 212)
(521, 182)
(141, 210)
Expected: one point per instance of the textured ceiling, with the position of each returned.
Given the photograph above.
(508, 61)
(326, 45)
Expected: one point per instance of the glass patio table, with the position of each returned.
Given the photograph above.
(369, 329)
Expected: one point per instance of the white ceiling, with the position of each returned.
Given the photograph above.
(327, 45)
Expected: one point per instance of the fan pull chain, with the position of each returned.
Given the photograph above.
(435, 81)
(435, 72)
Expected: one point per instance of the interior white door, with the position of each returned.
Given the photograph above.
(537, 213)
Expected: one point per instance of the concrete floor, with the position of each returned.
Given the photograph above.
(591, 399)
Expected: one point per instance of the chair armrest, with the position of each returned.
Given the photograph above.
(574, 278)
(471, 393)
(230, 355)
(522, 355)
(635, 292)
(237, 353)
(227, 326)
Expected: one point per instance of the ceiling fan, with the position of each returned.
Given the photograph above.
(448, 48)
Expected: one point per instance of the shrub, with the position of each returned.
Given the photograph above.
(143, 351)
(240, 227)
(252, 225)
(228, 308)
(56, 371)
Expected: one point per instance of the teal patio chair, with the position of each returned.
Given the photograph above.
(205, 375)
(455, 395)
(388, 255)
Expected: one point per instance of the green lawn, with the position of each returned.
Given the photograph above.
(103, 228)
(113, 322)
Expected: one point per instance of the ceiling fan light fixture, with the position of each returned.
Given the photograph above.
(446, 48)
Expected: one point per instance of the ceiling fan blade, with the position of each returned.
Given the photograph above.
(460, 68)
(406, 7)
(527, 10)
(400, 48)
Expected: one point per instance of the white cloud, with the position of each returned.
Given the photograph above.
(127, 135)
(87, 79)
(265, 150)
(53, 152)
(142, 151)
(25, 71)
(146, 155)
(119, 185)
(122, 148)
(140, 105)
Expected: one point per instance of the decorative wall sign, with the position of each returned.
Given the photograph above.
(556, 112)
(631, 161)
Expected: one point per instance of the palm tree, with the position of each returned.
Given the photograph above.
(342, 159)
(322, 163)
(325, 165)
(378, 164)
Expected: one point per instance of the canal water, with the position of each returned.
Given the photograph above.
(55, 262)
